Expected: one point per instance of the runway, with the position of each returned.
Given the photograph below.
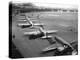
(66, 23)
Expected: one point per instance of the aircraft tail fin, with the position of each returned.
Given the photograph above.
(28, 19)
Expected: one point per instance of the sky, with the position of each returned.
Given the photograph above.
(52, 3)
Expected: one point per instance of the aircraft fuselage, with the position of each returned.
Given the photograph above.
(33, 36)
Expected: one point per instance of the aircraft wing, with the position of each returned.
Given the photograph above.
(45, 37)
(51, 31)
(21, 24)
(30, 33)
(38, 24)
(49, 48)
(23, 20)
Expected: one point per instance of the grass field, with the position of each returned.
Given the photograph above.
(66, 23)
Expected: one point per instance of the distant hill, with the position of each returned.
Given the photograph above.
(29, 7)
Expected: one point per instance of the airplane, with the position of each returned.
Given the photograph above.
(67, 48)
(30, 23)
(40, 33)
(33, 16)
